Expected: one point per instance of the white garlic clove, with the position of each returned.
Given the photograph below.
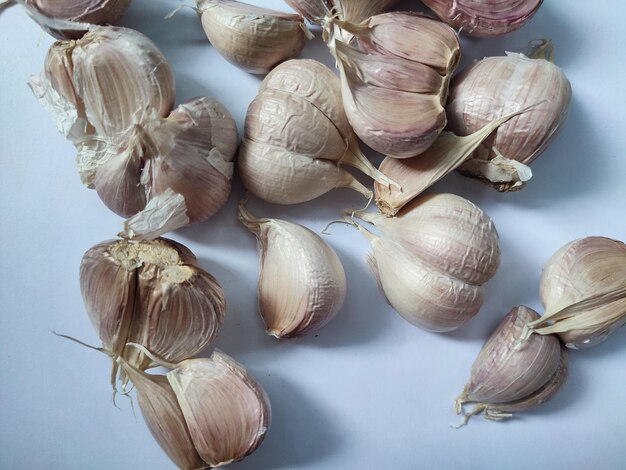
(485, 18)
(583, 289)
(251, 37)
(302, 285)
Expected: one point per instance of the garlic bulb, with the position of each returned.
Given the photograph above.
(431, 260)
(253, 38)
(297, 136)
(353, 11)
(205, 413)
(394, 91)
(512, 374)
(583, 290)
(302, 284)
(485, 18)
(496, 86)
(152, 293)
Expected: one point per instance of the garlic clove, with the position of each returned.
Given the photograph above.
(302, 285)
(485, 18)
(226, 410)
(253, 38)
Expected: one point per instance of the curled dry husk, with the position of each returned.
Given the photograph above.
(112, 93)
(485, 18)
(395, 69)
(583, 290)
(511, 374)
(152, 293)
(354, 11)
(431, 260)
(253, 38)
(496, 86)
(302, 284)
(204, 413)
(297, 137)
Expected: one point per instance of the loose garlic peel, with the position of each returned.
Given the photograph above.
(583, 289)
(485, 18)
(205, 413)
(302, 283)
(432, 259)
(152, 293)
(253, 38)
(297, 137)
(354, 11)
(511, 374)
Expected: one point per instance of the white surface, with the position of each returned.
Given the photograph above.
(371, 391)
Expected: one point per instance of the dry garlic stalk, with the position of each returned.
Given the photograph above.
(204, 413)
(511, 374)
(297, 137)
(484, 18)
(152, 293)
(431, 260)
(354, 11)
(394, 74)
(302, 284)
(583, 289)
(496, 86)
(253, 38)
(112, 93)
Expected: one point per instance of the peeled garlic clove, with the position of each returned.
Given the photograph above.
(583, 289)
(152, 293)
(485, 18)
(432, 259)
(253, 38)
(509, 368)
(227, 412)
(302, 285)
(496, 86)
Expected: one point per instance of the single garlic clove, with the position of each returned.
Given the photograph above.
(253, 38)
(226, 410)
(583, 289)
(302, 285)
(485, 18)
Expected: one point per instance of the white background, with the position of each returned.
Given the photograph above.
(371, 391)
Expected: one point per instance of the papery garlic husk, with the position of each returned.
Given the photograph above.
(302, 283)
(583, 291)
(253, 38)
(152, 293)
(431, 260)
(204, 412)
(394, 75)
(511, 373)
(496, 86)
(485, 18)
(297, 136)
(353, 11)
(52, 14)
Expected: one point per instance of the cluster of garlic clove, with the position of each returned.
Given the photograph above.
(251, 37)
(512, 374)
(152, 293)
(204, 413)
(432, 259)
(485, 18)
(297, 137)
(112, 94)
(583, 291)
(302, 283)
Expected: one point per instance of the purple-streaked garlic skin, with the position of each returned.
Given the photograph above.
(353, 11)
(485, 18)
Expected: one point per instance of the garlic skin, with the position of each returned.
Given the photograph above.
(302, 283)
(485, 18)
(253, 38)
(583, 291)
(431, 260)
(510, 371)
(353, 11)
(297, 136)
(496, 86)
(152, 293)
